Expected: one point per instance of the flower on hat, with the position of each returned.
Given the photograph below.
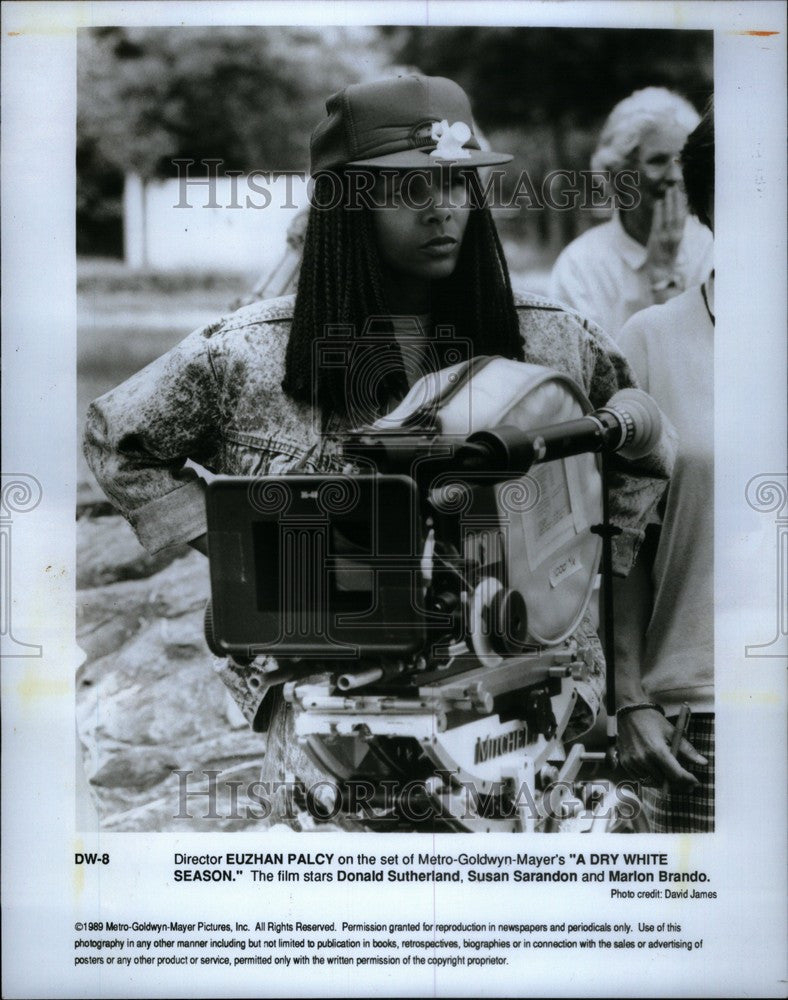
(450, 139)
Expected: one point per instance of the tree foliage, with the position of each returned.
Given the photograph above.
(247, 96)
(570, 75)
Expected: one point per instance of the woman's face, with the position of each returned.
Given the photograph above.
(420, 228)
(657, 160)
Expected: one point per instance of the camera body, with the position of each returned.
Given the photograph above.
(323, 567)
(426, 622)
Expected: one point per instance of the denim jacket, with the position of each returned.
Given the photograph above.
(216, 399)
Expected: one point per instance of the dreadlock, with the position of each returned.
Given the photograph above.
(341, 285)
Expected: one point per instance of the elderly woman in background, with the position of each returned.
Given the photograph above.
(648, 253)
(665, 617)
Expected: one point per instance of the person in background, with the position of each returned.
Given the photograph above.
(664, 621)
(651, 252)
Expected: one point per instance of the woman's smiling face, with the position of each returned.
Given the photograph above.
(420, 228)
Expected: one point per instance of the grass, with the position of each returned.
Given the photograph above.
(104, 276)
(127, 318)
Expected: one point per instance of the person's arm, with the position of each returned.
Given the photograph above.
(140, 435)
(644, 734)
(635, 487)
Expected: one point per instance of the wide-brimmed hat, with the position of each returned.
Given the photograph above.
(406, 122)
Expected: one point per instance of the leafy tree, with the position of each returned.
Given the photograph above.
(249, 97)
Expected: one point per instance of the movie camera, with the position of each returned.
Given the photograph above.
(432, 612)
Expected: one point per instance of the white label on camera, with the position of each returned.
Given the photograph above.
(568, 566)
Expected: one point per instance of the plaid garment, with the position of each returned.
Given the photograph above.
(684, 812)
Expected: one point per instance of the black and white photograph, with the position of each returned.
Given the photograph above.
(394, 436)
(485, 635)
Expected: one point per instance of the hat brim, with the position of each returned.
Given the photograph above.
(420, 159)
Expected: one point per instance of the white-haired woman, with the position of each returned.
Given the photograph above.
(646, 254)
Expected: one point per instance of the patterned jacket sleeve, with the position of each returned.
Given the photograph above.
(140, 435)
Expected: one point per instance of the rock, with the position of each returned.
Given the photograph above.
(156, 815)
(172, 710)
(132, 768)
(149, 702)
(225, 752)
(182, 637)
(108, 551)
(183, 586)
(150, 815)
(153, 653)
(108, 616)
(124, 779)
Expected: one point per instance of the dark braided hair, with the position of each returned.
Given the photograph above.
(341, 284)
